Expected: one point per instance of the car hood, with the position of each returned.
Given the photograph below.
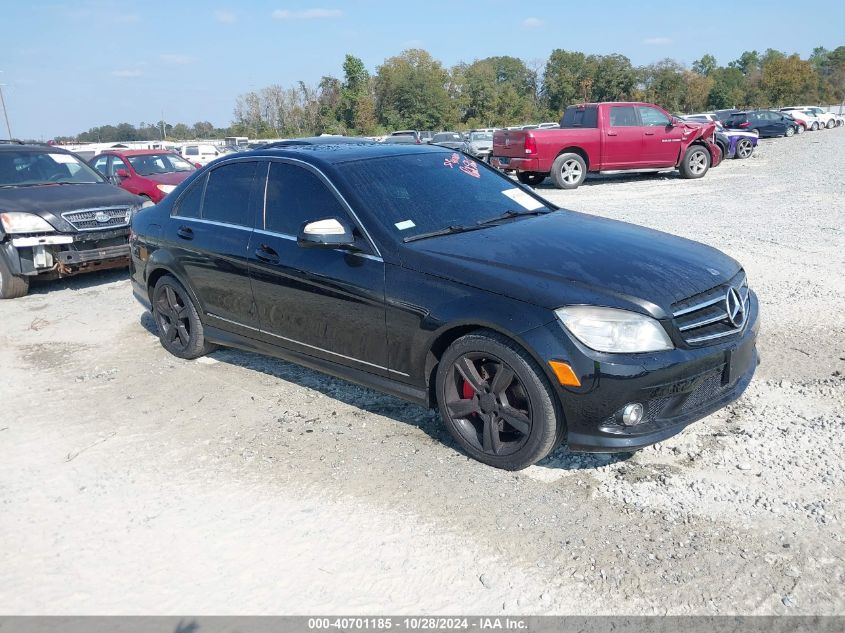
(50, 201)
(171, 178)
(572, 258)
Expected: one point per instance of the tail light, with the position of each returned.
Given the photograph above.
(530, 144)
(744, 125)
(418, 141)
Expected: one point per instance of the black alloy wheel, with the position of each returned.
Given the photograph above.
(496, 402)
(179, 326)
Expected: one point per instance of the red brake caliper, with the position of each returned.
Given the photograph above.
(468, 391)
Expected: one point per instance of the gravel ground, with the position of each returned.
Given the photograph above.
(133, 482)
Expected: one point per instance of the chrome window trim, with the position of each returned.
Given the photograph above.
(292, 238)
(314, 347)
(215, 223)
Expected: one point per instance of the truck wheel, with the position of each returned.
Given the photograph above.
(530, 178)
(696, 162)
(11, 286)
(568, 171)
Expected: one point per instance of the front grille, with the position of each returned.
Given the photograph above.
(98, 218)
(704, 317)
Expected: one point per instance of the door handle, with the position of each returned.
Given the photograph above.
(185, 232)
(611, 133)
(649, 133)
(266, 254)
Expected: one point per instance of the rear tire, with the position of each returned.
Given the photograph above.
(696, 162)
(830, 124)
(179, 327)
(11, 286)
(569, 171)
(509, 422)
(530, 178)
(815, 126)
(744, 148)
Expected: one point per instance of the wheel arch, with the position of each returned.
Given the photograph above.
(161, 269)
(452, 332)
(576, 150)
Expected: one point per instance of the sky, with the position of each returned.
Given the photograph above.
(68, 66)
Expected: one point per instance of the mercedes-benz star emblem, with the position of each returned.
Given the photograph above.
(102, 217)
(734, 307)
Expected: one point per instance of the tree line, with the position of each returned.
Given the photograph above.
(414, 90)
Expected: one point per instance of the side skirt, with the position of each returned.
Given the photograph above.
(379, 383)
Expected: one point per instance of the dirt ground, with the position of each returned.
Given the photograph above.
(133, 482)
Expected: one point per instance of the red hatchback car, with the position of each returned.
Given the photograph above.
(149, 173)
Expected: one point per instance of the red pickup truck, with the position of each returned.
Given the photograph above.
(607, 137)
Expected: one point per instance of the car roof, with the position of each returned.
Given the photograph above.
(32, 147)
(136, 152)
(328, 154)
(316, 140)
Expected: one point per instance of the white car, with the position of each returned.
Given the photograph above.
(199, 153)
(806, 118)
(830, 119)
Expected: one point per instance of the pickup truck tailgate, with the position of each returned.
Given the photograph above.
(509, 143)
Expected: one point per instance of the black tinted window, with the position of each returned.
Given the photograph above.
(296, 196)
(580, 117)
(188, 205)
(623, 116)
(227, 194)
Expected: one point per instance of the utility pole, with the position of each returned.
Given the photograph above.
(5, 111)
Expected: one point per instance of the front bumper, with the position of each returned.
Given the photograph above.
(64, 254)
(676, 387)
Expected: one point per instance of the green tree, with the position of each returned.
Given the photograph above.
(788, 80)
(611, 77)
(664, 84)
(411, 91)
(728, 90)
(706, 65)
(354, 91)
(495, 91)
(747, 63)
(562, 79)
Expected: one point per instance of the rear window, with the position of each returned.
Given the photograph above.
(580, 117)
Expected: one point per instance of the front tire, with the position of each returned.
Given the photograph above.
(496, 401)
(530, 178)
(815, 127)
(11, 286)
(791, 130)
(696, 162)
(569, 171)
(830, 124)
(744, 149)
(801, 129)
(179, 327)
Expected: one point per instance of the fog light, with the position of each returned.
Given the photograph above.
(632, 414)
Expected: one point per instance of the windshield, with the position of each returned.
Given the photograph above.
(26, 168)
(446, 136)
(424, 192)
(481, 136)
(151, 164)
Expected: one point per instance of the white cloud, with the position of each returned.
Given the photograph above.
(174, 58)
(127, 72)
(225, 17)
(532, 23)
(307, 14)
(657, 41)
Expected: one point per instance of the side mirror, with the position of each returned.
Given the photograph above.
(122, 173)
(326, 233)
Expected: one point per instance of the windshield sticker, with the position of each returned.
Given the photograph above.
(523, 199)
(67, 159)
(405, 225)
(466, 165)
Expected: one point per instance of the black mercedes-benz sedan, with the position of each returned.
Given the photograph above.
(423, 273)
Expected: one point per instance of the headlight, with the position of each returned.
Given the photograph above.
(24, 223)
(165, 188)
(131, 211)
(613, 330)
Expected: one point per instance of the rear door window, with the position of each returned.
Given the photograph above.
(623, 116)
(580, 117)
(227, 194)
(295, 196)
(188, 205)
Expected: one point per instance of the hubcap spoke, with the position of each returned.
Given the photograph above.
(182, 332)
(462, 408)
(172, 301)
(518, 420)
(491, 442)
(502, 380)
(467, 369)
